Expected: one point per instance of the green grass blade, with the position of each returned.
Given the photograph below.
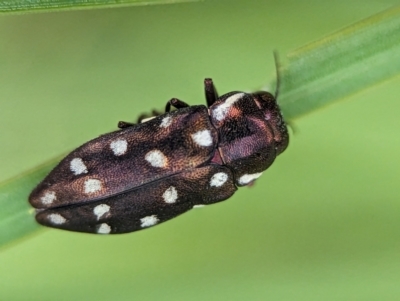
(26, 6)
(340, 64)
(16, 215)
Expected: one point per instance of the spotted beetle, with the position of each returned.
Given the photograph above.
(147, 173)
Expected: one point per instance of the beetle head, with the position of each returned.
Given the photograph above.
(272, 113)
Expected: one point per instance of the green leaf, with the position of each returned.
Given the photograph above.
(26, 6)
(318, 74)
(16, 215)
(340, 64)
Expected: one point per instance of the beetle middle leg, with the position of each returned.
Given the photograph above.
(176, 103)
(140, 119)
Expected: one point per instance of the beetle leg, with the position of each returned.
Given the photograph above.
(154, 113)
(124, 124)
(140, 119)
(176, 103)
(211, 92)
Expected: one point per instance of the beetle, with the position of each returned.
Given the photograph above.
(147, 173)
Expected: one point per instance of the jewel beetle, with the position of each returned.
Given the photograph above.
(147, 173)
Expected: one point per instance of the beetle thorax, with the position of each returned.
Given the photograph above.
(246, 130)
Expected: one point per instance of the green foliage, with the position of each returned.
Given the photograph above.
(340, 64)
(16, 216)
(28, 6)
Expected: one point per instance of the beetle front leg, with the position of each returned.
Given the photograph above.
(176, 103)
(210, 91)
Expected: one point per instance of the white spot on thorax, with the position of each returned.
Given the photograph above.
(156, 158)
(170, 195)
(100, 210)
(119, 147)
(48, 198)
(202, 138)
(104, 229)
(218, 179)
(77, 166)
(92, 185)
(221, 110)
(247, 178)
(166, 122)
(198, 206)
(56, 219)
(149, 221)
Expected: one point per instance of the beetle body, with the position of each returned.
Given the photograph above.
(148, 173)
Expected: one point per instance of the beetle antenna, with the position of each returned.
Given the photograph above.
(278, 77)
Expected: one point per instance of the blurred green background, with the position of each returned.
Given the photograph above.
(321, 224)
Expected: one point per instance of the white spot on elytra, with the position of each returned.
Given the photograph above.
(149, 221)
(221, 110)
(77, 166)
(104, 229)
(56, 219)
(170, 195)
(147, 119)
(166, 122)
(100, 210)
(48, 198)
(156, 158)
(92, 185)
(119, 146)
(198, 206)
(246, 179)
(202, 138)
(218, 179)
